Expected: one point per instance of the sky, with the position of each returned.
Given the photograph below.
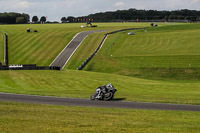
(56, 9)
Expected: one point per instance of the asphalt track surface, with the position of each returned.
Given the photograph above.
(116, 103)
(62, 59)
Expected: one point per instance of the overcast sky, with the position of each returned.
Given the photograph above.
(55, 9)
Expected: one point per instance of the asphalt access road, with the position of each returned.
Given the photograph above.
(68, 51)
(89, 103)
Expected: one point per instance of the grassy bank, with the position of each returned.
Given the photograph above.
(168, 53)
(80, 84)
(37, 48)
(159, 52)
(88, 46)
(42, 47)
(18, 118)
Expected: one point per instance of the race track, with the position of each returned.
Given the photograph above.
(67, 52)
(61, 61)
(89, 103)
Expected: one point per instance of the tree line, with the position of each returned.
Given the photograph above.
(19, 18)
(138, 15)
(14, 18)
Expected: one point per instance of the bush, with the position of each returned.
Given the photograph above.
(20, 20)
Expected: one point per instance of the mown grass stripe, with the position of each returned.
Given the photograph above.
(30, 46)
(24, 43)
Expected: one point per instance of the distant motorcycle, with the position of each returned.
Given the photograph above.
(105, 92)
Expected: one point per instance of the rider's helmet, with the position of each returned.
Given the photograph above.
(109, 85)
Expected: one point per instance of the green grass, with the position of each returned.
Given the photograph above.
(37, 48)
(136, 56)
(164, 48)
(80, 84)
(41, 48)
(26, 118)
(90, 44)
(163, 52)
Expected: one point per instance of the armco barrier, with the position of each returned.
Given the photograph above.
(98, 48)
(2, 67)
(6, 49)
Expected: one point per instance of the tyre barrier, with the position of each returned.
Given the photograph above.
(28, 67)
(101, 43)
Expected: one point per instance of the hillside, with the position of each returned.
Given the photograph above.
(147, 51)
(37, 48)
(169, 51)
(81, 84)
(42, 47)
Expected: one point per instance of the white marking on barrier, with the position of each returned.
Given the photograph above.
(15, 66)
(103, 43)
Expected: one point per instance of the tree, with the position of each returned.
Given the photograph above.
(43, 19)
(20, 20)
(64, 19)
(35, 19)
(11, 18)
(70, 19)
(147, 15)
(26, 17)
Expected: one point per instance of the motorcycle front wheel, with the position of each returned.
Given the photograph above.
(94, 96)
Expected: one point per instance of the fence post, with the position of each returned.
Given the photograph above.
(6, 61)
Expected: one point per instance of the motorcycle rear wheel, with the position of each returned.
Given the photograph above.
(108, 96)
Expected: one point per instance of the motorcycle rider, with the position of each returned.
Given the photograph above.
(102, 90)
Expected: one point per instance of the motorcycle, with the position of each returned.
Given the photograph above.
(105, 92)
